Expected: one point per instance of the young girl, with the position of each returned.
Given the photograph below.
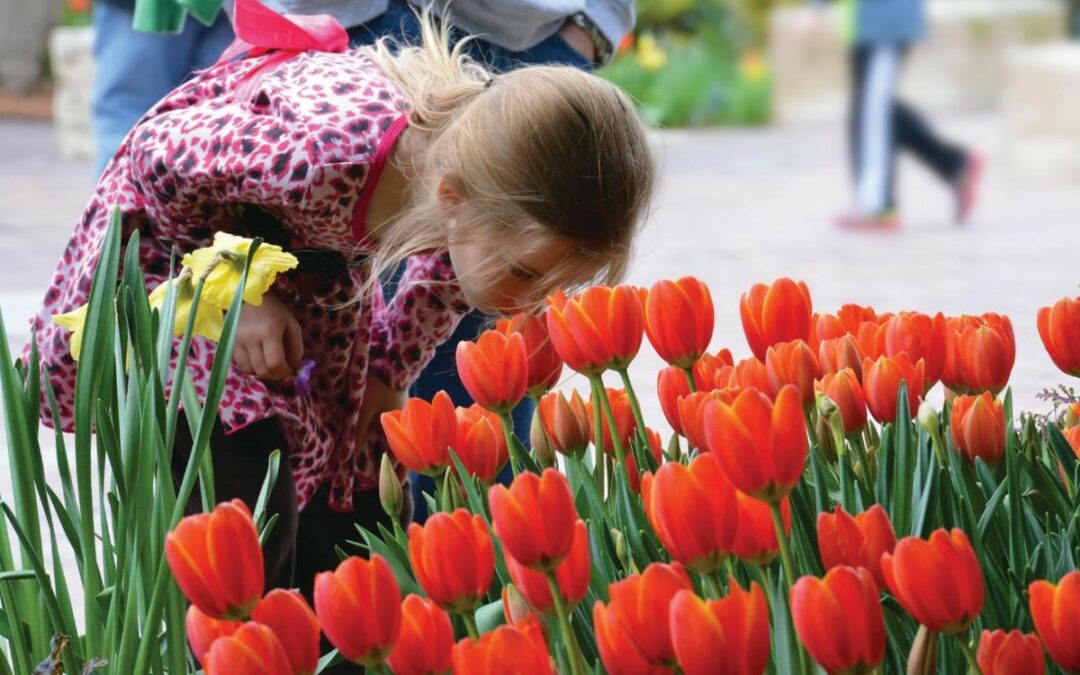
(497, 190)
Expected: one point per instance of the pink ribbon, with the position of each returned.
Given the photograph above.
(261, 31)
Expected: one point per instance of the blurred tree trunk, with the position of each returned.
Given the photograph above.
(24, 37)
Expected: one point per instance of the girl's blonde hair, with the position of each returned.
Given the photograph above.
(535, 151)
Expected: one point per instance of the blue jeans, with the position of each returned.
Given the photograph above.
(135, 69)
(400, 22)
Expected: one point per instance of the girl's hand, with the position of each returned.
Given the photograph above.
(268, 340)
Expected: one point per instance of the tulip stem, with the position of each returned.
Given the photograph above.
(577, 662)
(789, 574)
(712, 588)
(598, 437)
(381, 669)
(616, 442)
(470, 625)
(973, 664)
(508, 430)
(634, 405)
(689, 373)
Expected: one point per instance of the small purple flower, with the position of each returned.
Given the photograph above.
(303, 377)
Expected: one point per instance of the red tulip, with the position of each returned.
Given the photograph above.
(288, 614)
(721, 637)
(1059, 328)
(359, 606)
(671, 385)
(692, 413)
(494, 369)
(640, 609)
(881, 385)
(708, 368)
(871, 339)
(679, 320)
(946, 603)
(598, 329)
(978, 427)
(459, 536)
(624, 419)
(762, 446)
(426, 639)
(838, 353)
(777, 313)
(203, 630)
(217, 561)
(920, 336)
(632, 474)
(792, 363)
(480, 443)
(980, 353)
(856, 542)
(746, 373)
(518, 649)
(544, 364)
(1012, 653)
(693, 511)
(845, 322)
(755, 539)
(1072, 435)
(1053, 609)
(566, 423)
(253, 649)
(572, 576)
(839, 619)
(535, 518)
(421, 433)
(844, 390)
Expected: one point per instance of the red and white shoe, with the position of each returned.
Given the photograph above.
(887, 221)
(966, 186)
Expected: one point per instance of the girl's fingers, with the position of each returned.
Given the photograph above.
(294, 343)
(273, 350)
(258, 362)
(240, 357)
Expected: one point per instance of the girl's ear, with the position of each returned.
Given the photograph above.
(448, 192)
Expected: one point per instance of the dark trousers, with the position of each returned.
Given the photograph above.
(880, 124)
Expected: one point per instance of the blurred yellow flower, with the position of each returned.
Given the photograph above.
(650, 55)
(209, 320)
(228, 255)
(74, 321)
(752, 67)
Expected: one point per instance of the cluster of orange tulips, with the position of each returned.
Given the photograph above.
(780, 526)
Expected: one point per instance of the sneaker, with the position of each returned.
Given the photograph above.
(966, 186)
(887, 221)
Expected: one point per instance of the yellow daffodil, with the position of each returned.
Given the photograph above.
(228, 255)
(74, 321)
(752, 67)
(209, 320)
(650, 55)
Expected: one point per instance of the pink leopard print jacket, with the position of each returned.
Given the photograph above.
(306, 144)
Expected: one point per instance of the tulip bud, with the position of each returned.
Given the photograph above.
(922, 659)
(673, 452)
(515, 608)
(1070, 416)
(541, 447)
(823, 429)
(621, 551)
(928, 418)
(390, 494)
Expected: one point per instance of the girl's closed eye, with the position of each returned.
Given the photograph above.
(523, 273)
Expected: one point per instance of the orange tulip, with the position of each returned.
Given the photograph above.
(253, 649)
(692, 413)
(217, 561)
(288, 614)
(881, 385)
(871, 339)
(426, 639)
(679, 320)
(762, 446)
(598, 329)
(519, 649)
(856, 542)
(708, 367)
(1072, 435)
(920, 336)
(203, 630)
(421, 433)
(847, 597)
(693, 511)
(845, 322)
(624, 419)
(1012, 653)
(544, 364)
(671, 385)
(640, 608)
(572, 576)
(946, 603)
(1053, 609)
(838, 353)
(844, 390)
(535, 518)
(459, 536)
(746, 373)
(566, 423)
(721, 637)
(632, 474)
(792, 363)
(1059, 328)
(480, 443)
(359, 606)
(980, 353)
(777, 313)
(494, 369)
(755, 539)
(978, 427)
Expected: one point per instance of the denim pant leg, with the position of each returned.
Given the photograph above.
(136, 69)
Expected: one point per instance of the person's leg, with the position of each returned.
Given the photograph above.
(858, 58)
(211, 41)
(874, 130)
(914, 133)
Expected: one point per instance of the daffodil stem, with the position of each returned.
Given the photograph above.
(573, 651)
(470, 625)
(789, 576)
(973, 664)
(689, 373)
(508, 432)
